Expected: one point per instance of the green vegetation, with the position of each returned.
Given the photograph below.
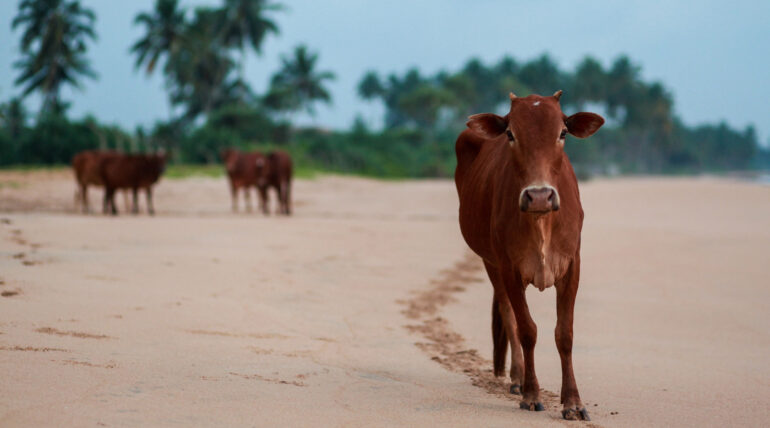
(201, 53)
(53, 46)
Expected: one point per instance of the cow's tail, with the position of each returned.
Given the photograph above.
(499, 339)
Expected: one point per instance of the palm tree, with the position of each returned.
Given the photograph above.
(163, 27)
(244, 23)
(589, 83)
(297, 85)
(200, 67)
(370, 86)
(53, 47)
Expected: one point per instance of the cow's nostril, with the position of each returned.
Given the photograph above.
(551, 194)
(529, 196)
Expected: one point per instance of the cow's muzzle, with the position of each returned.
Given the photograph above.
(539, 199)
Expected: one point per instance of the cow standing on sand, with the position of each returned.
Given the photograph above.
(275, 171)
(241, 170)
(132, 172)
(87, 168)
(520, 212)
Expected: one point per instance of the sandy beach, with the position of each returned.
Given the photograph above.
(367, 309)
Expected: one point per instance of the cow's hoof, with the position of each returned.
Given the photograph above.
(536, 406)
(515, 389)
(576, 414)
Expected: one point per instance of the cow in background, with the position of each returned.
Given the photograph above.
(241, 170)
(87, 168)
(131, 172)
(275, 171)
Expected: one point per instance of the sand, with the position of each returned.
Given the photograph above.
(366, 308)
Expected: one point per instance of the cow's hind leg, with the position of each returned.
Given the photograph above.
(283, 196)
(84, 199)
(105, 202)
(150, 207)
(247, 197)
(234, 197)
(505, 332)
(135, 197)
(566, 290)
(263, 199)
(109, 201)
(288, 197)
(527, 329)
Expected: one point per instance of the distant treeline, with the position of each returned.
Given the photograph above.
(201, 53)
(642, 136)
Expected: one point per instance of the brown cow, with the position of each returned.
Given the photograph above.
(87, 167)
(132, 172)
(242, 173)
(520, 211)
(275, 171)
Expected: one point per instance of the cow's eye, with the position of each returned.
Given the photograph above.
(510, 135)
(563, 134)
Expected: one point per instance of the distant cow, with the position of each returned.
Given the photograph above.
(131, 172)
(520, 211)
(241, 170)
(87, 168)
(275, 171)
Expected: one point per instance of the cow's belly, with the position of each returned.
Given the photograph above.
(475, 231)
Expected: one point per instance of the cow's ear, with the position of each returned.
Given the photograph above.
(584, 124)
(487, 124)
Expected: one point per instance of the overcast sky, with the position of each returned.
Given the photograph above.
(714, 56)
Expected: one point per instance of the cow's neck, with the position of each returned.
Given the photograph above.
(540, 261)
(542, 228)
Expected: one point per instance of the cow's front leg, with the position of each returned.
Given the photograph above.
(566, 290)
(150, 207)
(234, 197)
(503, 314)
(247, 198)
(263, 199)
(135, 198)
(530, 390)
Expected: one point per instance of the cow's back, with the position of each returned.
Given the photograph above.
(79, 164)
(121, 171)
(87, 166)
(241, 168)
(479, 162)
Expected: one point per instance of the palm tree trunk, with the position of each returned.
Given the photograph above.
(242, 64)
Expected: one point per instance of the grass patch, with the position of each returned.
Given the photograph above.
(182, 171)
(12, 184)
(34, 168)
(178, 171)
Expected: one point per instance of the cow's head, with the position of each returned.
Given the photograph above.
(535, 129)
(162, 156)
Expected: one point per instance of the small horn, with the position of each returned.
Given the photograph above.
(512, 96)
(557, 94)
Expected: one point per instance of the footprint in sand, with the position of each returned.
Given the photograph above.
(81, 335)
(444, 345)
(32, 349)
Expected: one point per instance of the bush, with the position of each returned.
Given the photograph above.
(55, 140)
